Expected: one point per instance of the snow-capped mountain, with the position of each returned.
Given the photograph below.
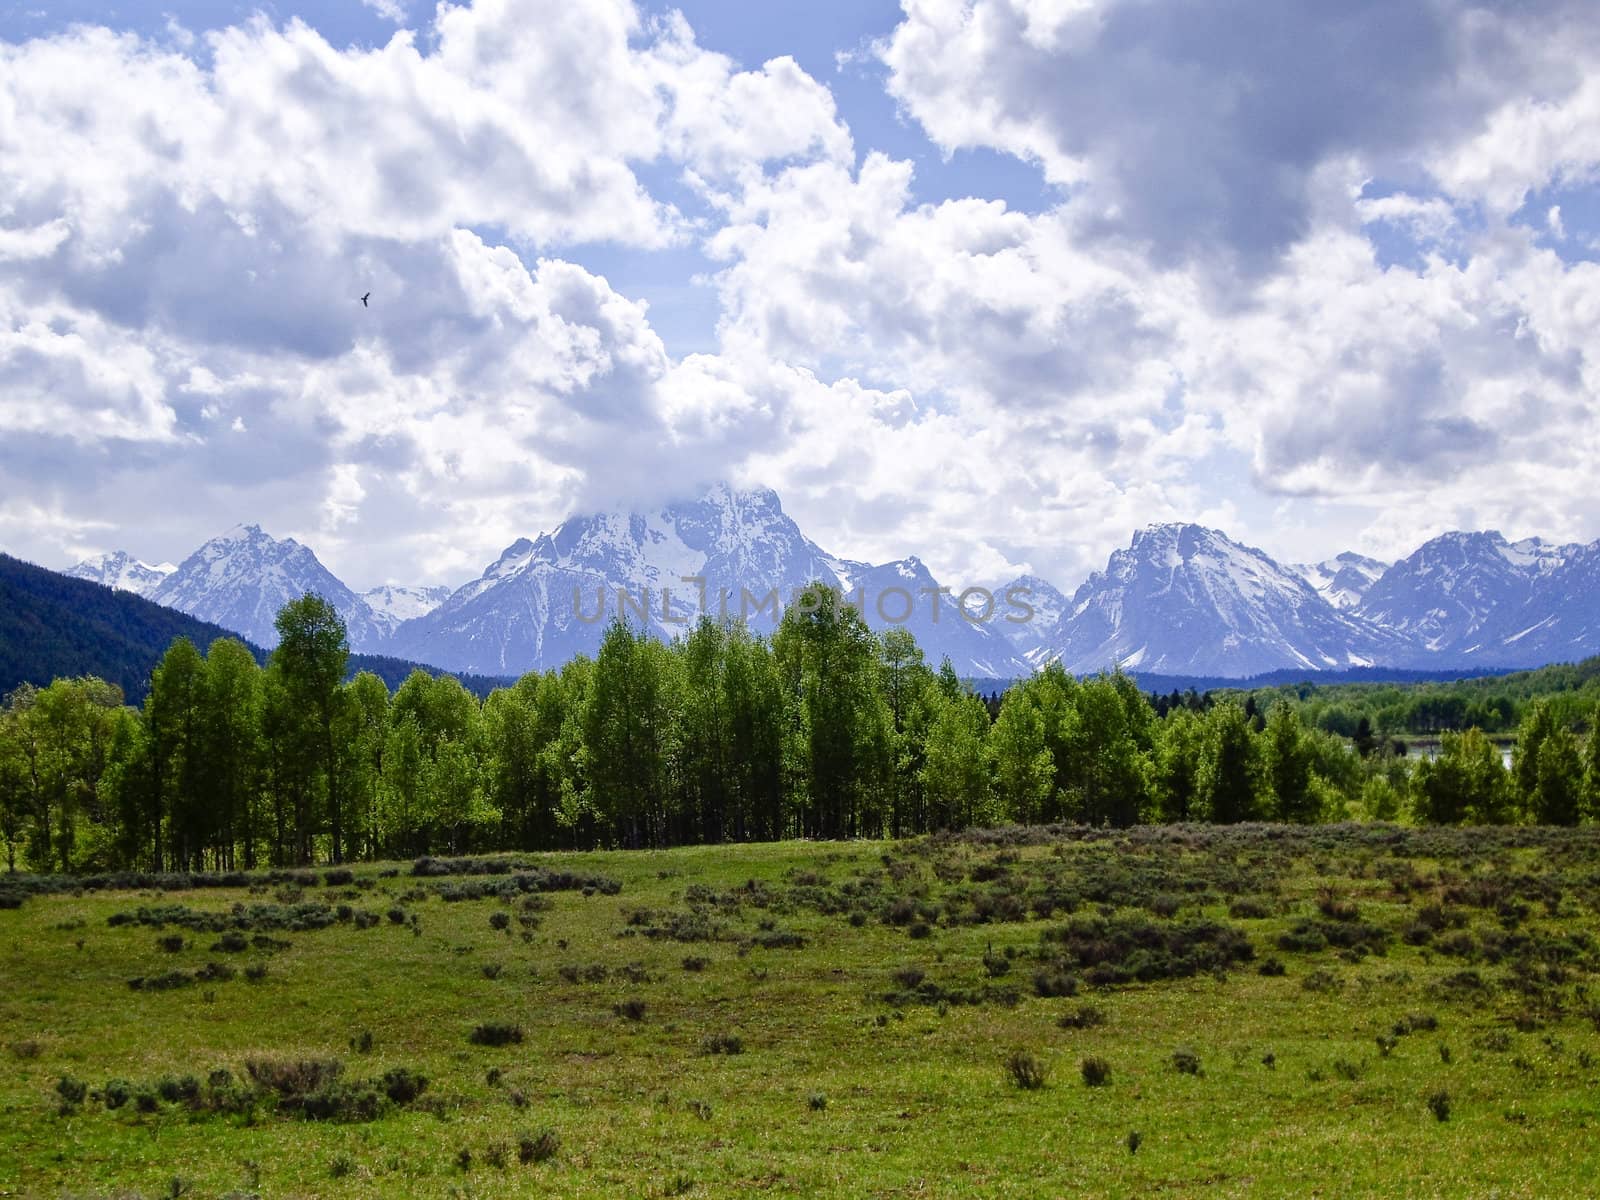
(1561, 620)
(1453, 597)
(905, 595)
(241, 579)
(1031, 638)
(730, 552)
(1466, 597)
(1180, 600)
(1343, 581)
(1184, 600)
(122, 571)
(392, 604)
(544, 600)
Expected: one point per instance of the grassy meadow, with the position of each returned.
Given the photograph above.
(1248, 1011)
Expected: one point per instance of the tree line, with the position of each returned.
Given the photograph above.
(824, 730)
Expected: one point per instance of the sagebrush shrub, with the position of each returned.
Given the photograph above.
(1085, 1016)
(294, 1077)
(403, 1085)
(909, 977)
(495, 1033)
(538, 1147)
(1096, 1071)
(1439, 1105)
(1185, 1061)
(1027, 1071)
(1054, 981)
(722, 1043)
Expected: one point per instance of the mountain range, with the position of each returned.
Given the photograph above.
(1179, 600)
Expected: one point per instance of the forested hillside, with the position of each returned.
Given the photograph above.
(55, 627)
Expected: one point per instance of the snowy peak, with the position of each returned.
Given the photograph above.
(547, 598)
(240, 580)
(1443, 595)
(1344, 580)
(1473, 597)
(391, 604)
(1187, 600)
(726, 552)
(122, 571)
(1045, 605)
(970, 631)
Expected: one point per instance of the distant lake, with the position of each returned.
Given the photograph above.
(1430, 749)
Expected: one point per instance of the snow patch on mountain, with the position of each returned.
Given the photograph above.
(1342, 580)
(1186, 600)
(241, 579)
(392, 604)
(122, 571)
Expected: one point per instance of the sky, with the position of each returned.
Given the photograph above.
(994, 282)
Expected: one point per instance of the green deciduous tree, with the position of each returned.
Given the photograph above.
(310, 659)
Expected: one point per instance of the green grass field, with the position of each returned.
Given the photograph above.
(1430, 1032)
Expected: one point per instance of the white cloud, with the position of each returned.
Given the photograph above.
(389, 10)
(183, 241)
(1201, 328)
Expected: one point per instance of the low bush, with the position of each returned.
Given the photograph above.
(1128, 947)
(403, 1085)
(1085, 1016)
(722, 1043)
(495, 1033)
(538, 1147)
(1096, 1071)
(1026, 1070)
(1055, 981)
(909, 977)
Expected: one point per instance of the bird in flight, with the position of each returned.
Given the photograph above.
(364, 300)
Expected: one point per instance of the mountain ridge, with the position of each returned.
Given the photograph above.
(1180, 599)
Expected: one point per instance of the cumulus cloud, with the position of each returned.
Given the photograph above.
(1288, 281)
(1196, 128)
(185, 230)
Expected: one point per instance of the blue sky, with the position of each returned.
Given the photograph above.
(994, 282)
